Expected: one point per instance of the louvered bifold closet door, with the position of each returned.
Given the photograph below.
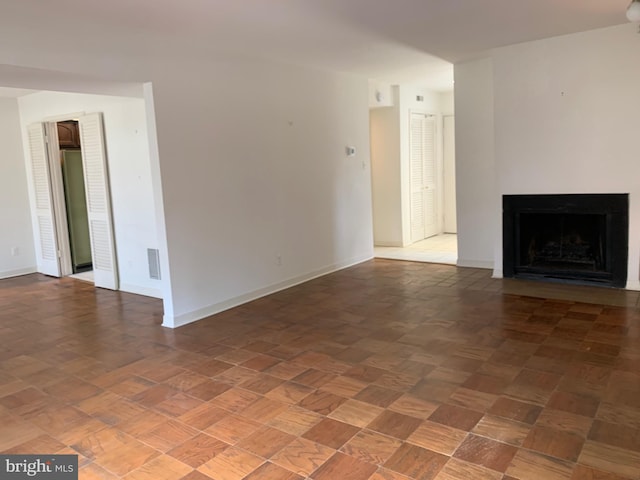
(416, 134)
(96, 182)
(430, 179)
(45, 232)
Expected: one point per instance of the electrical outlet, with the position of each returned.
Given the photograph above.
(15, 251)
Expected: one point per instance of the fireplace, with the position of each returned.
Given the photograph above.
(579, 238)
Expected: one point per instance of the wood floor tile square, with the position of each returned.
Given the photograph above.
(331, 433)
(232, 464)
(365, 373)
(322, 402)
(185, 381)
(314, 378)
(203, 416)
(154, 395)
(386, 474)
(617, 435)
(622, 414)
(502, 430)
(437, 437)
(528, 464)
(416, 462)
(582, 472)
(295, 420)
(415, 407)
(573, 403)
(266, 442)
(260, 362)
(379, 396)
(93, 471)
(160, 467)
(394, 424)
(236, 375)
(178, 405)
(286, 371)
(486, 383)
(133, 388)
(344, 386)
(344, 466)
(36, 445)
(484, 451)
(168, 435)
(610, 459)
(567, 422)
(233, 428)
(456, 417)
(434, 391)
(289, 392)
(356, 413)
(456, 469)
(302, 456)
(371, 447)
(209, 368)
(198, 450)
(208, 390)
(472, 399)
(554, 442)
(263, 410)
(126, 458)
(515, 410)
(141, 423)
(271, 471)
(235, 400)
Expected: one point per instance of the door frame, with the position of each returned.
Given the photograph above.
(58, 205)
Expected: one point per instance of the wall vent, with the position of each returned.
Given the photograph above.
(419, 98)
(153, 254)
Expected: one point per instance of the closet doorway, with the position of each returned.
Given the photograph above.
(75, 199)
(73, 219)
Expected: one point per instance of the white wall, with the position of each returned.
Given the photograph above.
(385, 174)
(447, 103)
(567, 120)
(15, 215)
(478, 203)
(251, 160)
(256, 170)
(130, 175)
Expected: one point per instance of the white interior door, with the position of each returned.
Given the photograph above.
(423, 174)
(449, 154)
(431, 224)
(47, 256)
(416, 132)
(96, 181)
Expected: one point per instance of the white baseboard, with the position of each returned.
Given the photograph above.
(388, 244)
(475, 263)
(17, 273)
(190, 317)
(497, 273)
(144, 291)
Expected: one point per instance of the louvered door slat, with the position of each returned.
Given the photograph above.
(46, 242)
(96, 179)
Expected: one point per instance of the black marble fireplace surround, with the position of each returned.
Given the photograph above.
(575, 238)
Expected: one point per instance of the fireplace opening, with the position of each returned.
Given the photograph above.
(569, 238)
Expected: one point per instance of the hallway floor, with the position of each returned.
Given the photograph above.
(438, 249)
(384, 371)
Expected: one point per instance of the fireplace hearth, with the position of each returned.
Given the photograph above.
(574, 238)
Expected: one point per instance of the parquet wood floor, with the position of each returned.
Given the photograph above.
(384, 371)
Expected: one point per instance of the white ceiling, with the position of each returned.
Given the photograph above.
(408, 41)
